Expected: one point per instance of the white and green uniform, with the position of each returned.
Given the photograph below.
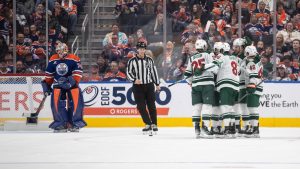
(253, 74)
(202, 86)
(227, 85)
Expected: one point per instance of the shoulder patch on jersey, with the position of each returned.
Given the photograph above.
(73, 57)
(53, 57)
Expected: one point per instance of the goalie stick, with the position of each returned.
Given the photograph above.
(32, 118)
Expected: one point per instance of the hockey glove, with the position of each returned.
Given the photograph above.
(47, 90)
(66, 83)
(251, 87)
(200, 70)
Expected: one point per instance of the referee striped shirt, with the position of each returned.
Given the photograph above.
(142, 69)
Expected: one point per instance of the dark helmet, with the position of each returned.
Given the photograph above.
(141, 45)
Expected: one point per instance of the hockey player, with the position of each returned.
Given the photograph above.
(202, 83)
(227, 85)
(239, 45)
(253, 74)
(64, 72)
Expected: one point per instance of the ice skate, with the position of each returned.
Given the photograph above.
(232, 131)
(60, 129)
(147, 130)
(74, 129)
(154, 129)
(216, 131)
(238, 131)
(197, 130)
(248, 132)
(227, 132)
(205, 133)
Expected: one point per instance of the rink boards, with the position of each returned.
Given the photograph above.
(112, 104)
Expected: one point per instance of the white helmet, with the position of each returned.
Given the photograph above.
(239, 42)
(250, 51)
(226, 47)
(62, 50)
(201, 44)
(218, 47)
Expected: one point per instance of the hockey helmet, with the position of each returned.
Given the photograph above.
(239, 42)
(201, 44)
(141, 44)
(218, 47)
(250, 51)
(226, 47)
(62, 50)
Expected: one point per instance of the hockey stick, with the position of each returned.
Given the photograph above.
(249, 93)
(32, 118)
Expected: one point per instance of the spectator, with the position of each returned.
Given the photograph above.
(280, 44)
(220, 23)
(289, 6)
(33, 33)
(20, 68)
(72, 11)
(21, 44)
(196, 12)
(130, 47)
(103, 66)
(94, 76)
(3, 48)
(267, 66)
(122, 65)
(289, 33)
(114, 50)
(4, 69)
(191, 30)
(227, 13)
(297, 10)
(212, 35)
(25, 7)
(295, 52)
(26, 32)
(260, 46)
(62, 16)
(159, 23)
(39, 47)
(122, 38)
(292, 67)
(281, 73)
(181, 19)
(254, 28)
(4, 26)
(282, 16)
(38, 17)
(140, 36)
(168, 60)
(114, 74)
(149, 7)
(262, 14)
(228, 34)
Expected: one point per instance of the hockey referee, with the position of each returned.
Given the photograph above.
(142, 72)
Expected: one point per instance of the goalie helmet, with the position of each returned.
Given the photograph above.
(226, 47)
(218, 47)
(201, 44)
(62, 50)
(250, 51)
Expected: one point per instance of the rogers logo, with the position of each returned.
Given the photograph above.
(90, 93)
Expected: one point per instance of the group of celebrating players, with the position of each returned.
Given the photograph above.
(226, 88)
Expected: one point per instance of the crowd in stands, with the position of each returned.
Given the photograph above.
(31, 31)
(186, 21)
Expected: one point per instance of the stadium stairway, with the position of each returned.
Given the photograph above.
(102, 25)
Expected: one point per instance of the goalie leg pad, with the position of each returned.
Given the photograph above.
(58, 107)
(76, 105)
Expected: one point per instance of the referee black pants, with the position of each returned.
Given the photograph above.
(144, 95)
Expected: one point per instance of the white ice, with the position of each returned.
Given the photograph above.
(127, 148)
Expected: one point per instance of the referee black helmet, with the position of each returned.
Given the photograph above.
(141, 45)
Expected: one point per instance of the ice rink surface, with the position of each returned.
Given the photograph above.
(127, 148)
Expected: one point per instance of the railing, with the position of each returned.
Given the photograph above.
(76, 41)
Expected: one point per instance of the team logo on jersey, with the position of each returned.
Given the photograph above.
(62, 69)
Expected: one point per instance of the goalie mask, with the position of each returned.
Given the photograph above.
(201, 45)
(250, 52)
(62, 50)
